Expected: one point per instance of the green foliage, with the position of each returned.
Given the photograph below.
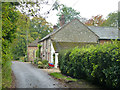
(112, 20)
(39, 49)
(38, 53)
(69, 13)
(61, 76)
(37, 27)
(45, 62)
(20, 42)
(99, 64)
(22, 59)
(31, 62)
(35, 61)
(41, 63)
(9, 18)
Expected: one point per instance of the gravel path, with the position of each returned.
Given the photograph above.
(27, 76)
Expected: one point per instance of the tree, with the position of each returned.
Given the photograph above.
(68, 12)
(9, 18)
(37, 27)
(34, 8)
(14, 27)
(95, 21)
(19, 46)
(112, 20)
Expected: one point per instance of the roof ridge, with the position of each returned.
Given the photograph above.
(103, 26)
(47, 36)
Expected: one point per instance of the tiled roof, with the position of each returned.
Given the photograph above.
(102, 32)
(34, 43)
(105, 32)
(47, 36)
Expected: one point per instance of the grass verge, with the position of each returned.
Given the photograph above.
(72, 82)
(62, 77)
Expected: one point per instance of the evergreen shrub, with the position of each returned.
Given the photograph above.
(99, 64)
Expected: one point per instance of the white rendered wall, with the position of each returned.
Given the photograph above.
(56, 60)
(52, 52)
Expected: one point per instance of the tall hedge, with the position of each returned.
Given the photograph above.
(100, 64)
(9, 18)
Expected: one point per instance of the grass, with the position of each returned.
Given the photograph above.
(6, 75)
(63, 77)
(21, 60)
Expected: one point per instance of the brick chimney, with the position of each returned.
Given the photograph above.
(55, 27)
(62, 20)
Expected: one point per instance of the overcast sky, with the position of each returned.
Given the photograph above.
(87, 8)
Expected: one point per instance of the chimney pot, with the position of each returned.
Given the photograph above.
(62, 20)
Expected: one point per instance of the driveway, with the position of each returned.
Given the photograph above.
(28, 76)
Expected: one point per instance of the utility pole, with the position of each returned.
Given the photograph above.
(27, 38)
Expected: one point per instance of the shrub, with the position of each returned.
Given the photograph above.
(100, 64)
(42, 63)
(31, 62)
(38, 51)
(35, 61)
(25, 58)
(45, 62)
(22, 59)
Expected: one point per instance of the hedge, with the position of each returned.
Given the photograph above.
(99, 64)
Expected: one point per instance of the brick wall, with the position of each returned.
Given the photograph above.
(104, 41)
(32, 53)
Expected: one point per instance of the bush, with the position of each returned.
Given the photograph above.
(22, 59)
(45, 62)
(38, 51)
(31, 62)
(100, 64)
(25, 58)
(42, 63)
(35, 61)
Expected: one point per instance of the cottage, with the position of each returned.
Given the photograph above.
(105, 33)
(73, 34)
(32, 48)
(70, 35)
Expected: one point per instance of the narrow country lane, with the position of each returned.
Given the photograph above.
(28, 76)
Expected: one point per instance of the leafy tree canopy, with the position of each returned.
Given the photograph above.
(68, 12)
(95, 21)
(112, 20)
(9, 19)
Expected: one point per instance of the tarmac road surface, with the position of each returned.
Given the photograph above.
(28, 76)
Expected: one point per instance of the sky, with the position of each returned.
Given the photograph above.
(87, 8)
